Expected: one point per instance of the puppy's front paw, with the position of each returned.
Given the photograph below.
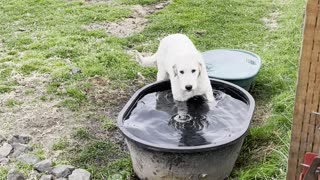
(181, 99)
(178, 96)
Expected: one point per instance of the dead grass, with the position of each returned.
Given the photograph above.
(40, 117)
(271, 21)
(261, 114)
(133, 24)
(111, 96)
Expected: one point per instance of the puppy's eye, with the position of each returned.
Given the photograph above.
(181, 72)
(193, 70)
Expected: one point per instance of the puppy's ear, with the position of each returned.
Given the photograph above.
(175, 71)
(200, 68)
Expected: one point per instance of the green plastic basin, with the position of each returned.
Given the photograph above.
(236, 66)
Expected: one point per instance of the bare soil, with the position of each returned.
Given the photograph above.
(261, 114)
(29, 109)
(35, 113)
(135, 23)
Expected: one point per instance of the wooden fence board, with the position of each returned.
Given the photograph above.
(305, 129)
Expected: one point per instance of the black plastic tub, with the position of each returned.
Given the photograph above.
(213, 161)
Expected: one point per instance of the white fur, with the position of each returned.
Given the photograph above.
(176, 59)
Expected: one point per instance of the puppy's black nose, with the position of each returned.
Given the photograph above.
(188, 87)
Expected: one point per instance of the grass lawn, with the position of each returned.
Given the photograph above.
(88, 74)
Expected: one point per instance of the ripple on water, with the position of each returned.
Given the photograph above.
(157, 119)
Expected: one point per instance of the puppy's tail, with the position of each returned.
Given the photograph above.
(150, 61)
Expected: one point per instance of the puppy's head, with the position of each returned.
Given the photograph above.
(188, 72)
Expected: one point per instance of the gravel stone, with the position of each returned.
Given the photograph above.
(15, 175)
(62, 171)
(43, 166)
(4, 161)
(28, 159)
(75, 71)
(21, 147)
(5, 150)
(46, 177)
(80, 174)
(23, 139)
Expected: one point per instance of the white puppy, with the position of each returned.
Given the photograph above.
(178, 59)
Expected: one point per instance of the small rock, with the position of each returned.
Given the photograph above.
(62, 171)
(15, 154)
(62, 179)
(21, 147)
(43, 166)
(75, 71)
(80, 174)
(21, 29)
(23, 139)
(201, 32)
(162, 5)
(28, 159)
(4, 161)
(15, 175)
(2, 139)
(46, 177)
(159, 6)
(5, 150)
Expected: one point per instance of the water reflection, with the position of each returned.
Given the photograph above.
(190, 117)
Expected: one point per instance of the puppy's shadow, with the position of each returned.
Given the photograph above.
(189, 118)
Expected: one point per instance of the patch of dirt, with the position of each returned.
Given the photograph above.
(36, 114)
(271, 21)
(94, 1)
(261, 114)
(109, 98)
(40, 115)
(112, 96)
(132, 24)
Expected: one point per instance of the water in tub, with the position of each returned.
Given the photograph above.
(158, 120)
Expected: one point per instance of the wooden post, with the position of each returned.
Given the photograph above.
(305, 135)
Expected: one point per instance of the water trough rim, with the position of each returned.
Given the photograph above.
(258, 59)
(185, 149)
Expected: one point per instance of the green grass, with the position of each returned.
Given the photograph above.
(4, 89)
(82, 134)
(61, 144)
(106, 152)
(3, 173)
(103, 158)
(141, 2)
(12, 102)
(30, 91)
(107, 123)
(48, 37)
(59, 36)
(24, 168)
